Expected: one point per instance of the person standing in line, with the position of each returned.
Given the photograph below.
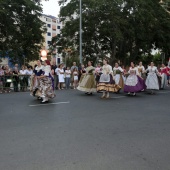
(67, 77)
(88, 84)
(60, 77)
(106, 83)
(29, 73)
(57, 77)
(8, 79)
(75, 78)
(168, 73)
(15, 79)
(72, 68)
(163, 73)
(23, 83)
(134, 83)
(118, 75)
(1, 79)
(152, 82)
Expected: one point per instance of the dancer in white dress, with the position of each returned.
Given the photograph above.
(106, 83)
(152, 82)
(141, 70)
(118, 75)
(134, 83)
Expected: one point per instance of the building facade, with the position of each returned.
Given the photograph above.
(53, 26)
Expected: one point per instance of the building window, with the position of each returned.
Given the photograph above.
(49, 25)
(47, 19)
(58, 27)
(49, 33)
(49, 42)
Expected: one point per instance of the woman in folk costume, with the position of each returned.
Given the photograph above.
(118, 75)
(168, 73)
(141, 70)
(106, 83)
(46, 87)
(152, 82)
(88, 83)
(134, 83)
(163, 72)
(82, 72)
(34, 82)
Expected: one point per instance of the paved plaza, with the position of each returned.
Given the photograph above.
(79, 132)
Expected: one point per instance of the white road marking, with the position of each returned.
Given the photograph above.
(164, 92)
(46, 104)
(118, 97)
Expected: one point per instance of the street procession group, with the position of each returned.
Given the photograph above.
(103, 79)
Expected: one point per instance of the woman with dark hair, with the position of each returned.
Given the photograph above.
(106, 83)
(152, 81)
(118, 75)
(88, 83)
(163, 72)
(46, 89)
(134, 83)
(34, 82)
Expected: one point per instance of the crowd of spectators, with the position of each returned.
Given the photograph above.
(15, 78)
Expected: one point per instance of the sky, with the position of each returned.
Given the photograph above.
(51, 7)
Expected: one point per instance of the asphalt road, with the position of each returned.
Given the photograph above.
(78, 132)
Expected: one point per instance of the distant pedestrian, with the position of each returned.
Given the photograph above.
(67, 77)
(75, 78)
(60, 77)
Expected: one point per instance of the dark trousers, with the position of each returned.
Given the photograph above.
(15, 83)
(67, 82)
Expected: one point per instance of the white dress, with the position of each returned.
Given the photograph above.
(106, 72)
(152, 79)
(116, 75)
(132, 79)
(61, 76)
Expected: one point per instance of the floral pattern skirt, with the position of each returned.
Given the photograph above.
(108, 86)
(45, 88)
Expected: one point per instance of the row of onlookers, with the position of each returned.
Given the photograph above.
(16, 78)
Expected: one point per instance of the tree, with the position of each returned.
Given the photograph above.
(117, 28)
(21, 30)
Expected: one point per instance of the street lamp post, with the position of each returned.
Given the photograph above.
(80, 32)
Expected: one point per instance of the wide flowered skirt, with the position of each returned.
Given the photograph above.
(152, 82)
(45, 88)
(134, 83)
(34, 84)
(87, 84)
(109, 86)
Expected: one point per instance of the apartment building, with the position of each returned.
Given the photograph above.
(53, 26)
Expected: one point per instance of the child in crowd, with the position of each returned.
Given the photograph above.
(75, 78)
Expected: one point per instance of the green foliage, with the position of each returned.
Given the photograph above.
(21, 30)
(117, 28)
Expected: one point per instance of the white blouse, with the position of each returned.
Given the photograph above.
(107, 69)
(47, 70)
